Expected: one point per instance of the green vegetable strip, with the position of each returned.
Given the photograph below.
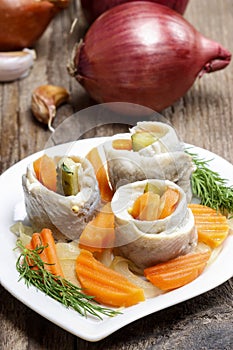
(56, 287)
(210, 187)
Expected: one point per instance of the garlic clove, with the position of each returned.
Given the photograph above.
(16, 65)
(45, 100)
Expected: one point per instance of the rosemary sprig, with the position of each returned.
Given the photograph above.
(210, 187)
(56, 287)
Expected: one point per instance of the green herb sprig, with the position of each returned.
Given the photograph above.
(66, 169)
(210, 187)
(56, 287)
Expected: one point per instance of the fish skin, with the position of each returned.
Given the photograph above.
(147, 243)
(165, 160)
(49, 209)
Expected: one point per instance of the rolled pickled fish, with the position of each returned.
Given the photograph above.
(155, 153)
(160, 229)
(68, 208)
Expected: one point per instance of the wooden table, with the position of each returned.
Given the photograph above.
(203, 117)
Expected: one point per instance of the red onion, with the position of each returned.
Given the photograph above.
(143, 53)
(22, 22)
(94, 8)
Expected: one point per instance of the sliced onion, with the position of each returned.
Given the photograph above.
(68, 268)
(215, 253)
(230, 223)
(106, 257)
(202, 248)
(68, 251)
(67, 254)
(121, 265)
(23, 232)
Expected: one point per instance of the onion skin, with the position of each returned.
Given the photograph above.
(22, 22)
(143, 53)
(94, 8)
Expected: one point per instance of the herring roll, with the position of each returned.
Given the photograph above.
(153, 152)
(152, 222)
(160, 138)
(67, 202)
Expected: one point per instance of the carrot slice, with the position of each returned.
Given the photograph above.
(168, 282)
(122, 144)
(200, 209)
(49, 254)
(106, 285)
(146, 207)
(99, 233)
(37, 167)
(177, 272)
(212, 226)
(36, 242)
(101, 174)
(191, 259)
(45, 170)
(170, 199)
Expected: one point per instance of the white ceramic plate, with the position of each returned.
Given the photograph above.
(89, 328)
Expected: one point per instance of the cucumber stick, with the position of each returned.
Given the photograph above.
(67, 177)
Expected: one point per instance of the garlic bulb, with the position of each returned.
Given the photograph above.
(15, 65)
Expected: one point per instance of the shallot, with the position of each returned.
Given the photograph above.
(143, 53)
(22, 22)
(94, 9)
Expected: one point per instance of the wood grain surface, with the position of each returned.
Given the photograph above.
(203, 117)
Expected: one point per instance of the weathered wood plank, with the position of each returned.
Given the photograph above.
(204, 116)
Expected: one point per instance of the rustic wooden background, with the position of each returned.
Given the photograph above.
(203, 117)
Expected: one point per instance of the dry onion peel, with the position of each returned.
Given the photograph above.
(143, 53)
(19, 24)
(94, 9)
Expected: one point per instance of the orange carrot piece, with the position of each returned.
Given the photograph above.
(212, 226)
(191, 259)
(106, 285)
(177, 272)
(48, 255)
(101, 174)
(211, 238)
(209, 219)
(45, 170)
(200, 209)
(168, 282)
(122, 144)
(37, 167)
(35, 242)
(146, 207)
(99, 233)
(170, 199)
(51, 253)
